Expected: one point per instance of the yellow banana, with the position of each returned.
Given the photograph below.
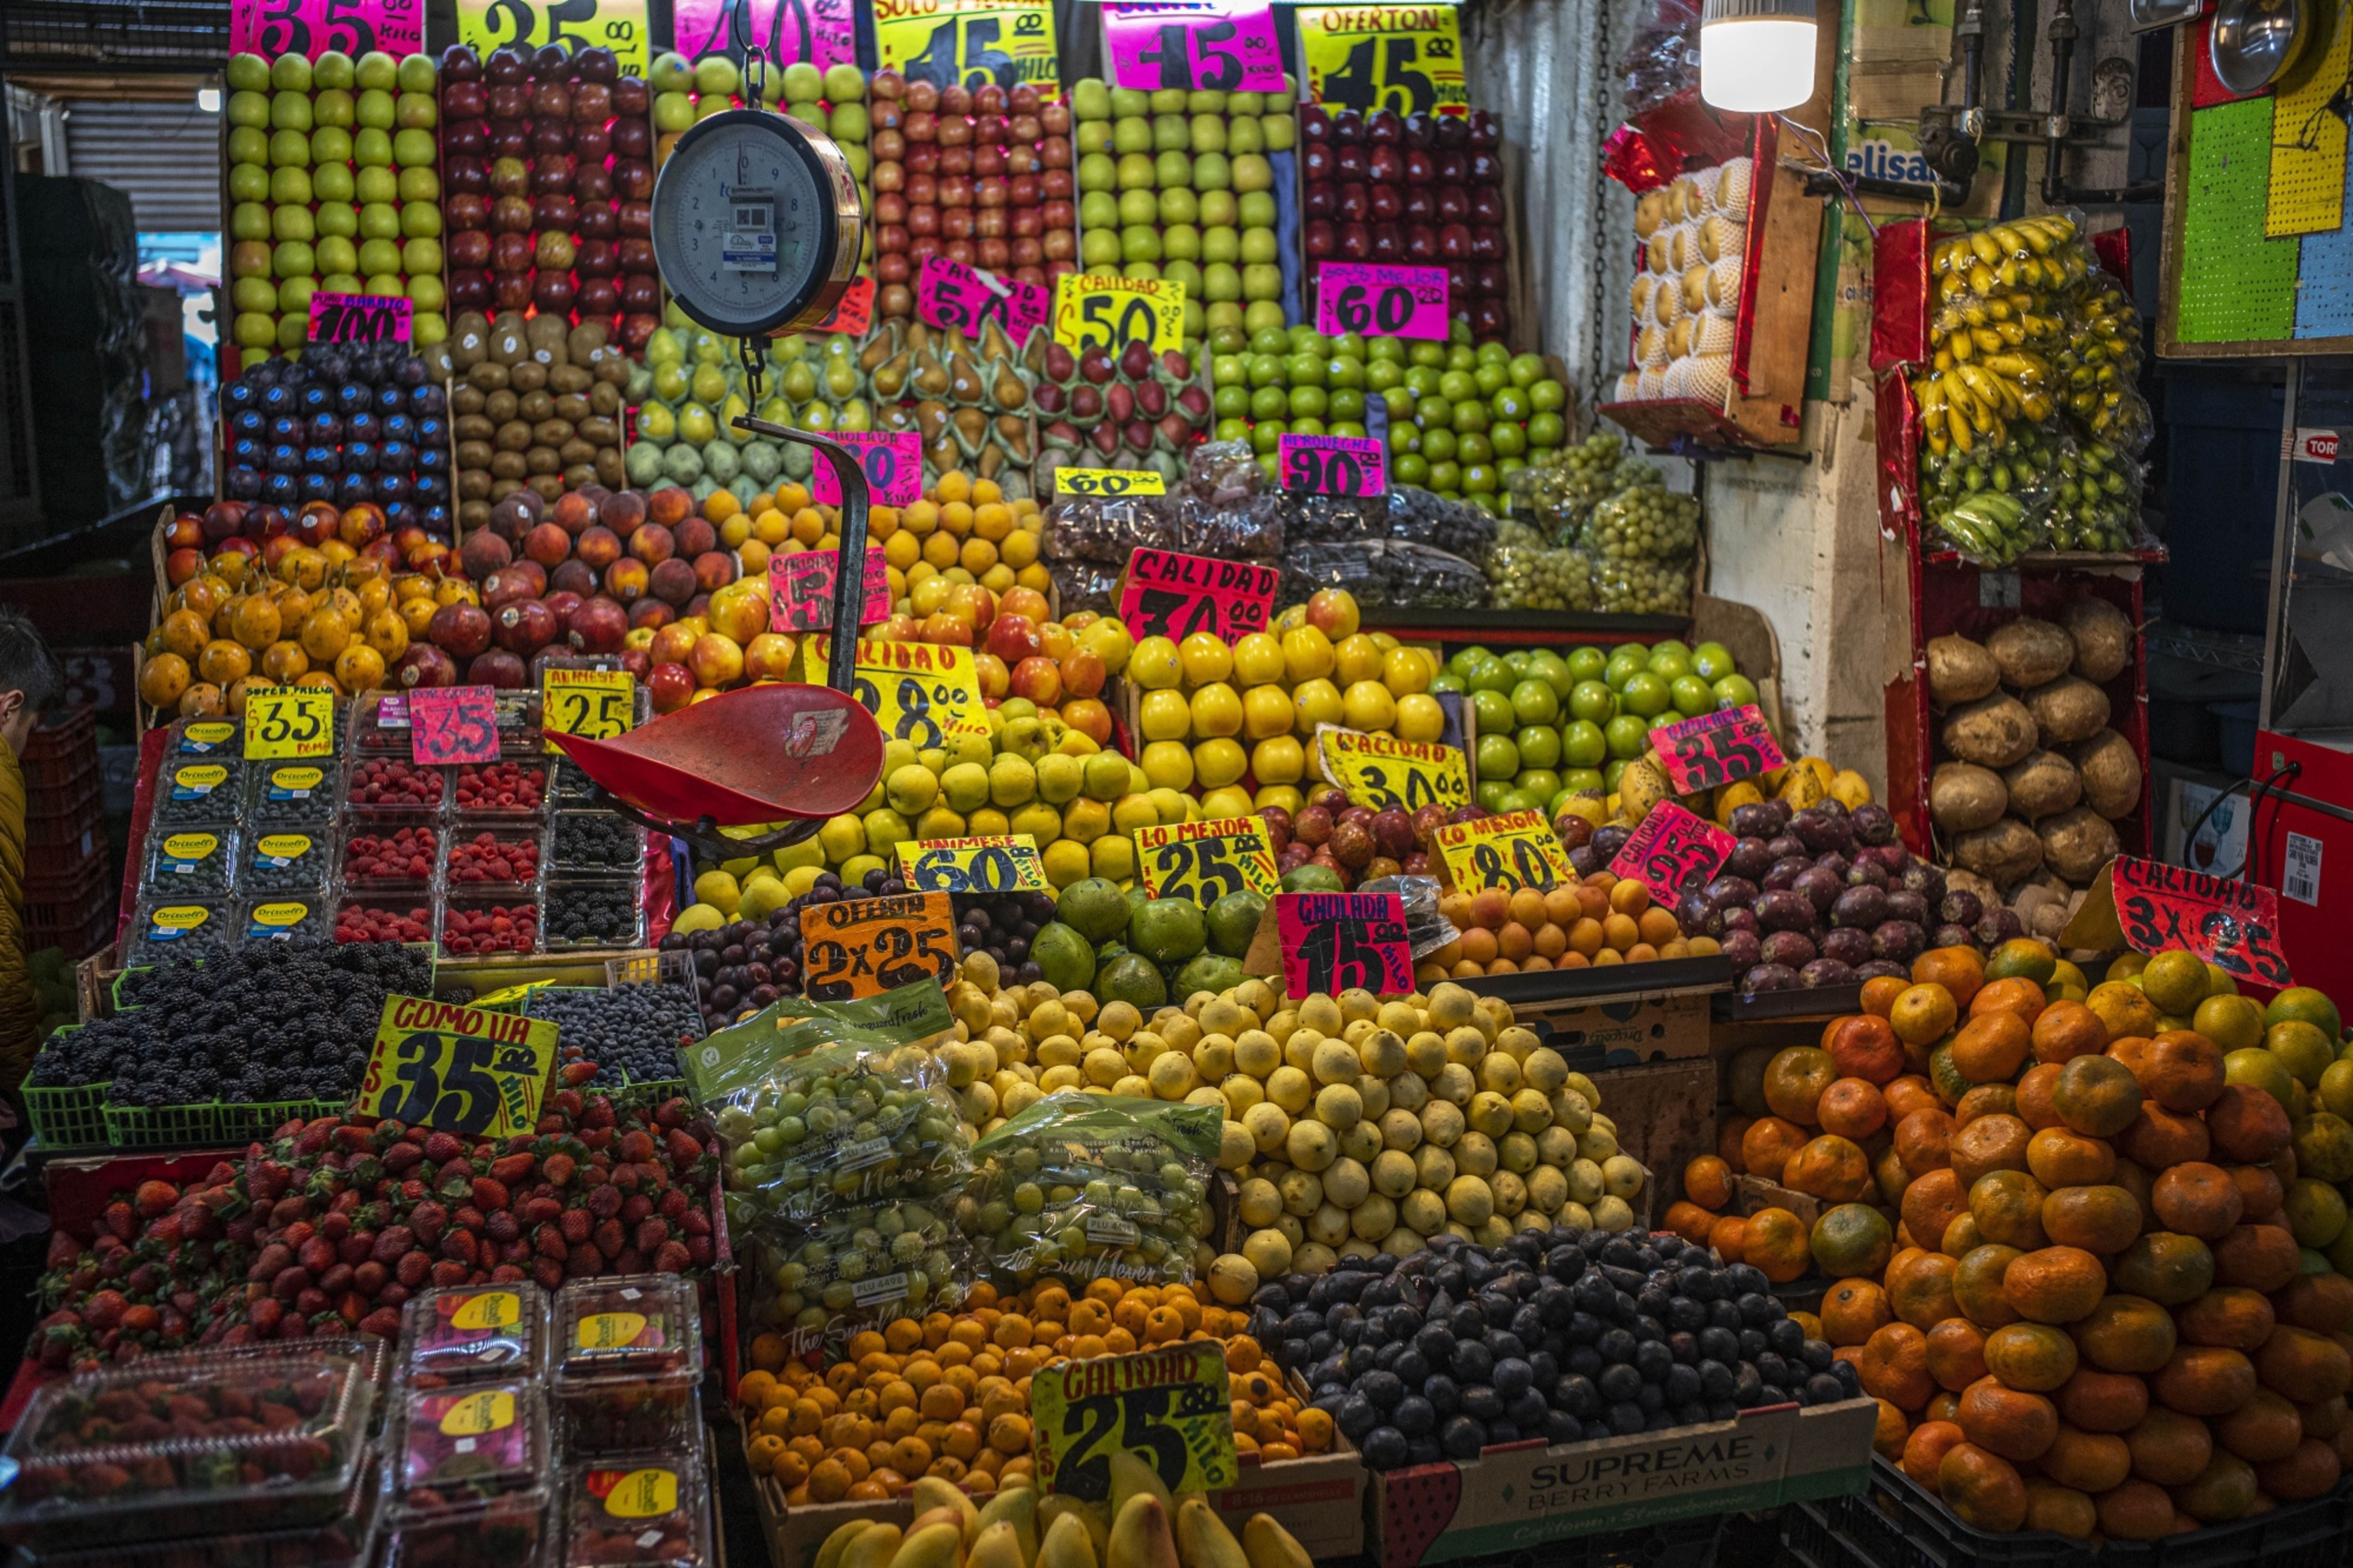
(1982, 243)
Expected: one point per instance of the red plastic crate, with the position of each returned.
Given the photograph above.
(73, 912)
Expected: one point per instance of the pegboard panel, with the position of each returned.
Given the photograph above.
(2235, 284)
(2307, 176)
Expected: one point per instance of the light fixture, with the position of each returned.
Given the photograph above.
(1756, 56)
(208, 100)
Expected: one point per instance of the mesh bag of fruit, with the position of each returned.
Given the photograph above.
(1088, 1186)
(1384, 571)
(863, 1262)
(1108, 529)
(1555, 497)
(1526, 574)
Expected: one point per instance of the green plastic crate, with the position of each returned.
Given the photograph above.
(241, 1122)
(165, 1127)
(68, 1118)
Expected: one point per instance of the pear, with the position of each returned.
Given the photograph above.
(855, 414)
(941, 454)
(971, 431)
(991, 463)
(932, 421)
(995, 346)
(841, 378)
(798, 382)
(1005, 390)
(1014, 433)
(966, 384)
(931, 378)
(880, 346)
(891, 376)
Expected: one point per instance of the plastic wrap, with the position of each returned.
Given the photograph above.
(1253, 527)
(627, 1358)
(1086, 585)
(1662, 62)
(1384, 571)
(1223, 472)
(1087, 1186)
(1641, 543)
(1107, 528)
(1523, 573)
(1426, 929)
(1333, 520)
(1417, 516)
(464, 1333)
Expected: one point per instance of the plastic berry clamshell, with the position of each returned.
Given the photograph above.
(390, 849)
(466, 1467)
(395, 781)
(461, 1334)
(176, 928)
(198, 789)
(475, 923)
(384, 917)
(380, 724)
(628, 1357)
(288, 861)
(513, 787)
(207, 738)
(647, 1509)
(298, 792)
(309, 916)
(195, 861)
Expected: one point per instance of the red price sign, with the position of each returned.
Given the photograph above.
(892, 462)
(2233, 925)
(800, 589)
(1174, 596)
(822, 32)
(453, 724)
(1225, 45)
(1393, 301)
(1339, 941)
(950, 294)
(853, 312)
(1716, 749)
(312, 27)
(1672, 852)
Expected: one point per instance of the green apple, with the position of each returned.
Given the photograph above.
(1263, 281)
(1097, 172)
(1258, 245)
(330, 144)
(253, 294)
(1140, 270)
(1243, 136)
(248, 144)
(370, 149)
(289, 150)
(333, 108)
(290, 111)
(421, 220)
(380, 257)
(1131, 136)
(1211, 172)
(251, 220)
(843, 84)
(1220, 281)
(1218, 209)
(419, 184)
(716, 73)
(1095, 135)
(1099, 209)
(672, 73)
(376, 110)
(1135, 171)
(1253, 172)
(413, 149)
(292, 223)
(292, 258)
(416, 111)
(294, 332)
(376, 186)
(1173, 169)
(333, 71)
(1256, 209)
(1140, 242)
(421, 256)
(1090, 100)
(1169, 101)
(290, 185)
(379, 220)
(336, 253)
(1208, 134)
(1138, 208)
(1220, 245)
(1179, 206)
(340, 283)
(1170, 133)
(249, 259)
(249, 182)
(1280, 131)
(1181, 242)
(376, 72)
(1126, 104)
(290, 73)
(248, 73)
(1189, 274)
(673, 112)
(860, 162)
(1099, 249)
(414, 73)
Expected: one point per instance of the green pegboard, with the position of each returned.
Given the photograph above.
(2236, 287)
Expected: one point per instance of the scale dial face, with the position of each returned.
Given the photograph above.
(757, 224)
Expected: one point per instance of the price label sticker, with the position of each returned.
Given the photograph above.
(1109, 482)
(1392, 301)
(892, 462)
(863, 947)
(203, 737)
(822, 32)
(1166, 1406)
(473, 1414)
(1340, 942)
(1204, 861)
(636, 1494)
(594, 704)
(184, 854)
(853, 312)
(1518, 849)
(1403, 58)
(1092, 312)
(1007, 42)
(1173, 596)
(923, 692)
(453, 724)
(1332, 465)
(1220, 46)
(459, 1069)
(1716, 749)
(289, 722)
(950, 294)
(312, 27)
(2230, 924)
(800, 589)
(360, 319)
(1672, 852)
(995, 863)
(1381, 771)
(576, 25)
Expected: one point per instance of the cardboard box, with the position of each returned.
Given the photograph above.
(1628, 1031)
(1513, 1497)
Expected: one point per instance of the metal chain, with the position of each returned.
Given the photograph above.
(742, 37)
(754, 360)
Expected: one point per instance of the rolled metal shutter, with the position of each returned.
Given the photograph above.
(165, 156)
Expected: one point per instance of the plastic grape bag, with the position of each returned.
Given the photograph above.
(1086, 585)
(1106, 530)
(1223, 472)
(1252, 528)
(1417, 516)
(1426, 929)
(1526, 574)
(1384, 571)
(1333, 520)
(1091, 1186)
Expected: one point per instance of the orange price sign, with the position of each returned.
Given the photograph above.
(863, 947)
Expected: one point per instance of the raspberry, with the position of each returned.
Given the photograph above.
(389, 781)
(501, 786)
(486, 857)
(375, 859)
(494, 928)
(360, 922)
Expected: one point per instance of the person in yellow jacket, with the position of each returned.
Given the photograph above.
(30, 681)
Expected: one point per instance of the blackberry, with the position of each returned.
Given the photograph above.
(587, 914)
(596, 841)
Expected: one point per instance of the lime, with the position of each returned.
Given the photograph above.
(1498, 757)
(1540, 746)
(1535, 701)
(1645, 694)
(1592, 701)
(1627, 736)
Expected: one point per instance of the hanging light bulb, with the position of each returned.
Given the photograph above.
(1756, 56)
(208, 99)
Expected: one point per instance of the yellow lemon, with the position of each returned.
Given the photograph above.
(1231, 801)
(1164, 715)
(1219, 762)
(1368, 705)
(1418, 716)
(1216, 711)
(720, 891)
(1312, 702)
(987, 822)
(1279, 760)
(1258, 659)
(1112, 857)
(1306, 654)
(1404, 670)
(842, 836)
(1266, 710)
(1205, 658)
(1358, 657)
(1066, 862)
(1167, 763)
(1086, 820)
(854, 870)
(1154, 663)
(1284, 795)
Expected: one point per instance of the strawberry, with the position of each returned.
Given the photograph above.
(293, 1326)
(393, 1241)
(460, 1245)
(549, 1272)
(585, 1261)
(290, 1282)
(353, 1139)
(630, 1261)
(548, 1242)
(650, 1234)
(336, 1281)
(538, 1211)
(506, 1272)
(468, 1219)
(153, 1199)
(448, 1272)
(516, 1251)
(501, 1227)
(604, 1202)
(337, 1225)
(672, 1112)
(369, 1278)
(670, 1257)
(104, 1310)
(575, 1225)
(272, 1257)
(264, 1314)
(443, 1147)
(383, 1323)
(598, 1113)
(120, 1221)
(298, 1234)
(557, 1169)
(412, 1268)
(310, 1303)
(514, 1168)
(490, 1194)
(314, 1139)
(635, 1207)
(700, 1249)
(566, 1103)
(63, 1250)
(550, 1122)
(597, 1138)
(675, 1205)
(394, 1295)
(610, 1237)
(356, 1248)
(682, 1149)
(403, 1156)
(429, 1219)
(636, 1145)
(573, 1073)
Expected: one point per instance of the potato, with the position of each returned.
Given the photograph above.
(2110, 773)
(1993, 732)
(1958, 880)
(1962, 796)
(2041, 785)
(2007, 852)
(2103, 639)
(2031, 652)
(1959, 672)
(2068, 708)
(2077, 842)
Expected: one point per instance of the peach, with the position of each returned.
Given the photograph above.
(653, 544)
(716, 660)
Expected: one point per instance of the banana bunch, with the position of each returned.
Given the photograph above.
(2098, 368)
(1971, 404)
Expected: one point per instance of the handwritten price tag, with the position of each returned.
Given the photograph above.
(1173, 596)
(576, 25)
(863, 947)
(1204, 861)
(800, 589)
(1332, 465)
(1000, 863)
(950, 294)
(289, 722)
(1518, 849)
(822, 32)
(360, 319)
(1672, 852)
(1113, 313)
(892, 462)
(1007, 42)
(1403, 58)
(923, 692)
(2231, 924)
(459, 1069)
(1339, 941)
(1716, 749)
(853, 312)
(1380, 771)
(597, 704)
(1165, 45)
(1393, 301)
(312, 27)
(453, 724)
(1109, 482)
(1167, 1406)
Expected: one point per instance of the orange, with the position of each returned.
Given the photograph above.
(1793, 1081)
(2095, 1095)
(1920, 1288)
(2008, 1205)
(2087, 1461)
(1767, 1146)
(1893, 1366)
(2167, 1269)
(1990, 1048)
(1852, 1108)
(1865, 1047)
(1982, 1489)
(1977, 1285)
(2055, 1284)
(1926, 1449)
(2100, 1401)
(1924, 1139)
(2197, 1199)
(1776, 1242)
(2100, 1219)
(2127, 1333)
(2260, 1256)
(2065, 1030)
(1923, 1015)
(2032, 1357)
(1987, 1143)
(2010, 1422)
(2200, 1380)
(1852, 1311)
(1955, 1353)
(1707, 1182)
(1830, 1168)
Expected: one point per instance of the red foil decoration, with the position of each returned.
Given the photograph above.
(1899, 294)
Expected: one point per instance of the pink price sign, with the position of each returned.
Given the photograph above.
(893, 462)
(1332, 465)
(360, 319)
(1389, 301)
(800, 589)
(1672, 851)
(1220, 46)
(1339, 941)
(822, 32)
(950, 294)
(312, 27)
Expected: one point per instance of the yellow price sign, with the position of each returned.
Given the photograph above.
(1007, 42)
(993, 863)
(1518, 849)
(1405, 57)
(597, 704)
(289, 722)
(1204, 861)
(457, 1068)
(615, 25)
(1109, 482)
(927, 693)
(1092, 312)
(1381, 771)
(1167, 1406)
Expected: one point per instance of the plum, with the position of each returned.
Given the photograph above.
(1697, 916)
(1781, 846)
(1608, 841)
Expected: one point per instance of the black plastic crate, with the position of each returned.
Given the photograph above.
(1678, 1543)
